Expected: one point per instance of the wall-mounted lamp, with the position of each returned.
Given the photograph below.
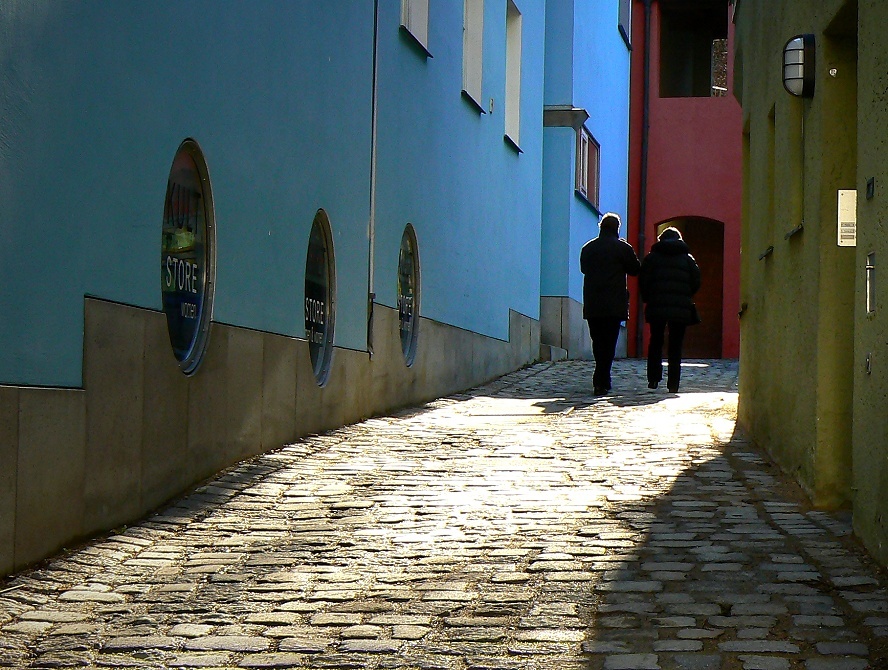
(798, 66)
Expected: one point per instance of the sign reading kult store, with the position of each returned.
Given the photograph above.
(187, 267)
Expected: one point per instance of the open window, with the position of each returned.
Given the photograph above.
(693, 48)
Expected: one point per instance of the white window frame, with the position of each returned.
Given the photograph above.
(415, 20)
(588, 165)
(473, 50)
(513, 73)
(625, 21)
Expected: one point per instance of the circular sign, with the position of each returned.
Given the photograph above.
(187, 256)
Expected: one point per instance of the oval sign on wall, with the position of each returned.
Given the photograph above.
(187, 267)
(408, 294)
(320, 292)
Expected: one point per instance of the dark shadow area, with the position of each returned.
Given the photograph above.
(692, 60)
(732, 568)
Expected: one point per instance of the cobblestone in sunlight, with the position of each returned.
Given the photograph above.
(525, 524)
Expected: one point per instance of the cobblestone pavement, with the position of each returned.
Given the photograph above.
(524, 524)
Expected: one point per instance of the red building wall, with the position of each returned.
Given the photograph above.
(693, 180)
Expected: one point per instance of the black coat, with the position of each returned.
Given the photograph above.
(668, 281)
(605, 262)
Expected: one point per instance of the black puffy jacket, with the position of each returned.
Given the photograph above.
(668, 280)
(605, 261)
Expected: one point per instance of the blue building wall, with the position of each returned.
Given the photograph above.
(601, 85)
(559, 66)
(588, 70)
(443, 165)
(96, 99)
(558, 209)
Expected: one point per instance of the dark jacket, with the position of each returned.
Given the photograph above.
(605, 262)
(668, 281)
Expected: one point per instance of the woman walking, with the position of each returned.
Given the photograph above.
(668, 280)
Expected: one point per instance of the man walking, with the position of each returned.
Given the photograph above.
(605, 261)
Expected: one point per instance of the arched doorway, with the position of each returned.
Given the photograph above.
(706, 238)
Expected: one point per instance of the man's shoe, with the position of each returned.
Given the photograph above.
(673, 389)
(653, 385)
(599, 390)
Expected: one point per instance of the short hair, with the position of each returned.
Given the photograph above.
(610, 220)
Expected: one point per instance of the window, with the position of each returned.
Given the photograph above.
(320, 290)
(415, 20)
(473, 51)
(188, 256)
(693, 49)
(408, 294)
(513, 73)
(588, 166)
(626, 21)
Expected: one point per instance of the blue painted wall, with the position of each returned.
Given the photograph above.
(587, 66)
(559, 66)
(96, 98)
(444, 166)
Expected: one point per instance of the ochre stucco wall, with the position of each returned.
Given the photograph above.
(802, 293)
(870, 434)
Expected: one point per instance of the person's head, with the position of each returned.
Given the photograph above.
(670, 234)
(611, 222)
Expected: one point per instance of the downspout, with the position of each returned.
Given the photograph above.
(371, 224)
(642, 193)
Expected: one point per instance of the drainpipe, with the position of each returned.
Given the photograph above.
(642, 195)
(371, 224)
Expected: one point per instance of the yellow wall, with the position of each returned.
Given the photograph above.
(807, 391)
(870, 436)
(796, 332)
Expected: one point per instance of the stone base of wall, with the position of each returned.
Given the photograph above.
(76, 462)
(562, 325)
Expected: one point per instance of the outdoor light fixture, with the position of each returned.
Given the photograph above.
(798, 66)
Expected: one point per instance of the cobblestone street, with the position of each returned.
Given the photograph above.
(525, 524)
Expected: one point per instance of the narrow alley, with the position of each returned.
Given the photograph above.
(524, 524)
